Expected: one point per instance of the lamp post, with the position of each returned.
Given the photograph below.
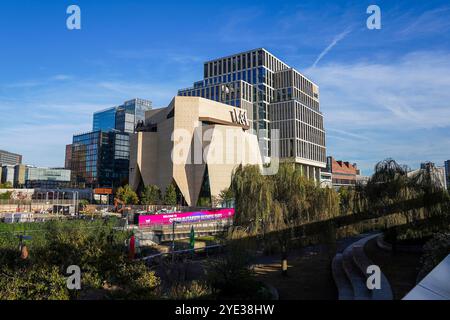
(173, 239)
(77, 200)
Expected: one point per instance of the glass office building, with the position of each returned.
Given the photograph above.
(105, 120)
(131, 113)
(100, 159)
(123, 118)
(275, 96)
(46, 178)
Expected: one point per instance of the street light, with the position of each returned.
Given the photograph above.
(76, 196)
(173, 239)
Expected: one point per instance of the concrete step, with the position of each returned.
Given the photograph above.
(356, 277)
(362, 262)
(345, 289)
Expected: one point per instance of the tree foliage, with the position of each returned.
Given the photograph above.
(96, 247)
(33, 283)
(170, 196)
(127, 195)
(435, 250)
(6, 185)
(253, 198)
(286, 200)
(295, 198)
(279, 202)
(5, 195)
(225, 198)
(150, 195)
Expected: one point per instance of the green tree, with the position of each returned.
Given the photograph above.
(293, 198)
(346, 198)
(83, 203)
(253, 198)
(388, 184)
(170, 197)
(127, 195)
(5, 195)
(279, 203)
(6, 185)
(226, 197)
(150, 195)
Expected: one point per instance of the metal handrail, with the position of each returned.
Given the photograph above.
(161, 254)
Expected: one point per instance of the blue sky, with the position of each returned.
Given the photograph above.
(384, 93)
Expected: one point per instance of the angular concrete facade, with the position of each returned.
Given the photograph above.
(195, 144)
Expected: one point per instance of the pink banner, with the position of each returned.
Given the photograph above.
(185, 217)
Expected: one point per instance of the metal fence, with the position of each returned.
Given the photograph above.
(36, 202)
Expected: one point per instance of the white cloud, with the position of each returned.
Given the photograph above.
(40, 122)
(333, 43)
(401, 108)
(61, 77)
(430, 21)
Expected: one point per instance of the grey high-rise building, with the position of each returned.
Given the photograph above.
(123, 118)
(9, 158)
(275, 96)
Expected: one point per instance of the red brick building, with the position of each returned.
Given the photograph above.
(343, 172)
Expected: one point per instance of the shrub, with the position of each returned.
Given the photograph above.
(190, 290)
(435, 251)
(36, 283)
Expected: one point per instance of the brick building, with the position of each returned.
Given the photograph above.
(343, 173)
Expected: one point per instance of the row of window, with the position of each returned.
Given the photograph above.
(292, 78)
(297, 129)
(311, 134)
(286, 110)
(122, 155)
(290, 148)
(233, 64)
(344, 181)
(223, 93)
(243, 61)
(286, 94)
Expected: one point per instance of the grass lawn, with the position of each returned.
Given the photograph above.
(309, 277)
(400, 269)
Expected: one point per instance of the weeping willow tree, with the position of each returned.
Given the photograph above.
(325, 204)
(279, 203)
(292, 205)
(253, 198)
(294, 191)
(427, 183)
(392, 184)
(388, 184)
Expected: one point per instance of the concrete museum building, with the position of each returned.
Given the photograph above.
(194, 144)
